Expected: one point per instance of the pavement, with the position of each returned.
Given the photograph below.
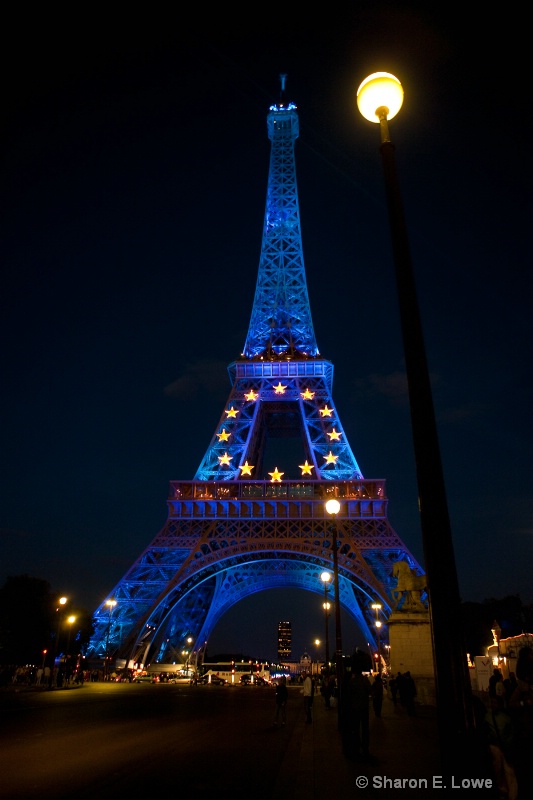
(404, 756)
(405, 760)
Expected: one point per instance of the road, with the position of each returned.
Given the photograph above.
(109, 740)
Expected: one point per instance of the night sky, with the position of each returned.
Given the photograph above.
(135, 161)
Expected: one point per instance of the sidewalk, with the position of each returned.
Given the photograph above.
(402, 747)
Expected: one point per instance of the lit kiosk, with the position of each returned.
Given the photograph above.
(379, 98)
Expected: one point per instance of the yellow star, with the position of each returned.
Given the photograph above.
(246, 468)
(224, 436)
(307, 395)
(306, 468)
(232, 412)
(251, 395)
(276, 476)
(326, 412)
(330, 458)
(334, 436)
(279, 389)
(225, 459)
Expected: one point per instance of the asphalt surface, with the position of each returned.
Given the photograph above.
(313, 760)
(402, 748)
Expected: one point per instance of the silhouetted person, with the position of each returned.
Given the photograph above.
(500, 737)
(521, 713)
(510, 684)
(524, 665)
(355, 694)
(497, 688)
(408, 689)
(377, 695)
(308, 691)
(393, 686)
(493, 680)
(282, 695)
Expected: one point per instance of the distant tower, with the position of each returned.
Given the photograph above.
(253, 518)
(284, 641)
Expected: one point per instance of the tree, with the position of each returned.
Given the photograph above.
(25, 620)
(509, 612)
(29, 623)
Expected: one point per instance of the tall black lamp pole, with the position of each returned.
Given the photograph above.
(333, 507)
(379, 99)
(325, 577)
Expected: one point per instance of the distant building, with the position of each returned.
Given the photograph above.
(284, 641)
(504, 652)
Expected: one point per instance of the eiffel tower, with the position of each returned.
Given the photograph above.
(243, 525)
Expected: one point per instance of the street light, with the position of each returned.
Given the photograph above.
(71, 620)
(61, 603)
(111, 605)
(189, 642)
(333, 507)
(325, 577)
(377, 609)
(379, 98)
(317, 645)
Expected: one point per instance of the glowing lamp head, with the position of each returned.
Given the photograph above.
(325, 576)
(380, 92)
(333, 506)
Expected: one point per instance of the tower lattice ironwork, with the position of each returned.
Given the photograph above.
(242, 525)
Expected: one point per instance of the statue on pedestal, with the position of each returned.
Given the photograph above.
(409, 587)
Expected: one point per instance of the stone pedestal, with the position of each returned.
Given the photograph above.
(411, 650)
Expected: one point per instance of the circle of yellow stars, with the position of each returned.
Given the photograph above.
(276, 475)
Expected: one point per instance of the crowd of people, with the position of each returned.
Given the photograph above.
(504, 719)
(46, 677)
(507, 726)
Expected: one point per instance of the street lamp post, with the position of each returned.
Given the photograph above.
(377, 608)
(71, 620)
(379, 99)
(189, 642)
(333, 507)
(111, 605)
(317, 645)
(325, 577)
(59, 610)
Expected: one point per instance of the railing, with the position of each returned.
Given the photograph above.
(319, 491)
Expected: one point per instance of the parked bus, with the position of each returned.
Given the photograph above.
(231, 671)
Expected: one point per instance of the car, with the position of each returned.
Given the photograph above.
(253, 680)
(124, 676)
(146, 678)
(260, 681)
(213, 679)
(167, 677)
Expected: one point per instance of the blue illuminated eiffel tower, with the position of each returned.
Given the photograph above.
(248, 522)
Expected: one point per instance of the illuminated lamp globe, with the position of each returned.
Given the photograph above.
(380, 92)
(333, 506)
